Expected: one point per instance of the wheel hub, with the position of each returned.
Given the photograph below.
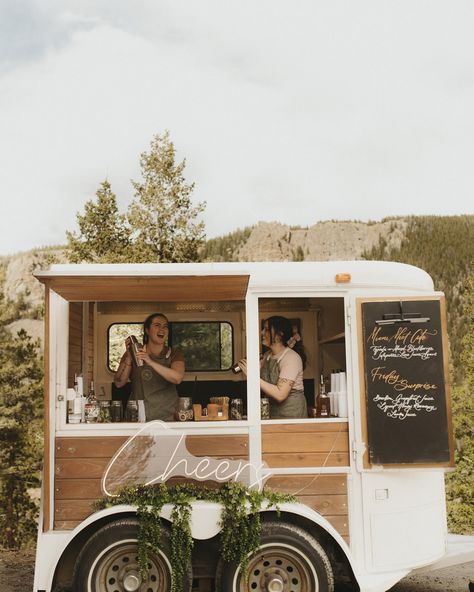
(278, 569)
(275, 584)
(118, 572)
(131, 582)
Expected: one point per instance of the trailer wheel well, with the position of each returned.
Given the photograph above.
(62, 580)
(343, 574)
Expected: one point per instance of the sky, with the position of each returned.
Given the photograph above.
(294, 112)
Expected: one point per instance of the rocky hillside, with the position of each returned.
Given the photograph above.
(325, 241)
(21, 294)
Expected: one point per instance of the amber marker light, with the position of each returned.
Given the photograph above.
(343, 278)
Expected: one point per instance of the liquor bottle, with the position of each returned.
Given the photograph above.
(323, 408)
(91, 408)
(77, 403)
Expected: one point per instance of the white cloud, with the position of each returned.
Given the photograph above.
(290, 112)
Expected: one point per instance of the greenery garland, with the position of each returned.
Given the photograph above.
(240, 520)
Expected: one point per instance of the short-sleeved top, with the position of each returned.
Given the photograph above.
(291, 368)
(159, 395)
(288, 365)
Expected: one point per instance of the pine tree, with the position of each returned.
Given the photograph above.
(163, 219)
(460, 483)
(20, 437)
(104, 236)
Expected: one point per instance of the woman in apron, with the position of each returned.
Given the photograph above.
(154, 382)
(281, 371)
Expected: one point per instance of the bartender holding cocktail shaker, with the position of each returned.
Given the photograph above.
(154, 370)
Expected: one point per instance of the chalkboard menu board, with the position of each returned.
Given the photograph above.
(405, 390)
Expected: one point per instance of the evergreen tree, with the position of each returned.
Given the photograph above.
(460, 484)
(163, 220)
(225, 248)
(20, 437)
(104, 236)
(444, 247)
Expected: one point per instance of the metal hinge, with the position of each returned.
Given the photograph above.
(357, 448)
(349, 316)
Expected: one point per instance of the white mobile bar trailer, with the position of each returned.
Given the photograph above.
(369, 481)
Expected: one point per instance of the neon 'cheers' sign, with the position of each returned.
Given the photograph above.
(156, 453)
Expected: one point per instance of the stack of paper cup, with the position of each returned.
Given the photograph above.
(73, 406)
(333, 393)
(342, 396)
(141, 411)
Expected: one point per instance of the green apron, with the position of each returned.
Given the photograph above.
(295, 404)
(160, 396)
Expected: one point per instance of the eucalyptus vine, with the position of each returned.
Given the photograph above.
(240, 520)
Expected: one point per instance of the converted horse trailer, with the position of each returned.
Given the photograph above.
(367, 473)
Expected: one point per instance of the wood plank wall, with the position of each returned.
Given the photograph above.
(89, 369)
(327, 494)
(80, 463)
(306, 445)
(81, 343)
(311, 445)
(75, 341)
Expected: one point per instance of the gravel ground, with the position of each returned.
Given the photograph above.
(16, 571)
(16, 575)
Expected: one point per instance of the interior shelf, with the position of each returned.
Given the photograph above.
(337, 338)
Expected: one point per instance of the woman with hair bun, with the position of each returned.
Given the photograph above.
(281, 370)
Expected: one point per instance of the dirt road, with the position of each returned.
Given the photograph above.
(16, 575)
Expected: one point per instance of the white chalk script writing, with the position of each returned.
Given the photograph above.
(405, 352)
(393, 378)
(402, 336)
(405, 406)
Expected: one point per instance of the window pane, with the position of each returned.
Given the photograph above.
(118, 332)
(226, 346)
(200, 344)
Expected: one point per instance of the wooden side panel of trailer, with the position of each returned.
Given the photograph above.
(81, 461)
(318, 444)
(315, 444)
(326, 494)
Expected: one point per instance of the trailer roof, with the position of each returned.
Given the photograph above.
(221, 281)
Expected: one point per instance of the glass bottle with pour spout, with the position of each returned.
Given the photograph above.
(91, 408)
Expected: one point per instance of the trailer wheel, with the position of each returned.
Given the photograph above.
(288, 560)
(109, 562)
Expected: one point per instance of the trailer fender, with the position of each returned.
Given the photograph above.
(313, 516)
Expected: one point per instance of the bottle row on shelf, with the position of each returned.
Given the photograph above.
(82, 408)
(334, 402)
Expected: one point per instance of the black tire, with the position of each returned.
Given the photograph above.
(288, 560)
(108, 562)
